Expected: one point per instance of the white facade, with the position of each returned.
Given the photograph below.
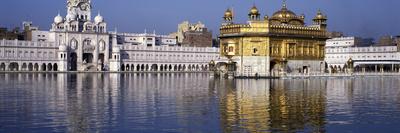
(166, 58)
(146, 39)
(373, 58)
(75, 43)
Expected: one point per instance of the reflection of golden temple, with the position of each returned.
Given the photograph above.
(278, 44)
(272, 105)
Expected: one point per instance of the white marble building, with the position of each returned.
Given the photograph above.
(76, 43)
(339, 51)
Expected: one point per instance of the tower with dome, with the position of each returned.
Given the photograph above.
(87, 41)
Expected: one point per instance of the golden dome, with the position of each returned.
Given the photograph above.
(254, 10)
(228, 13)
(320, 15)
(284, 13)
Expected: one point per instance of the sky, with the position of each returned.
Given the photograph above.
(363, 18)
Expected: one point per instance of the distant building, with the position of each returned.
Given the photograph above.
(27, 28)
(11, 35)
(193, 35)
(335, 34)
(386, 41)
(363, 58)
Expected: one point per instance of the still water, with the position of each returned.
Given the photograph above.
(193, 103)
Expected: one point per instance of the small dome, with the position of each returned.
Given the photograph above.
(228, 13)
(116, 50)
(302, 16)
(320, 15)
(58, 19)
(62, 48)
(98, 19)
(254, 10)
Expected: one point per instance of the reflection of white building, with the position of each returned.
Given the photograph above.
(365, 58)
(78, 43)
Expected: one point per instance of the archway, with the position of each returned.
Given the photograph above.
(122, 67)
(24, 67)
(3, 67)
(101, 59)
(55, 67)
(49, 67)
(87, 58)
(127, 67)
(147, 67)
(161, 67)
(154, 67)
(30, 67)
(43, 66)
(180, 68)
(138, 67)
(166, 67)
(36, 67)
(73, 61)
(13, 66)
(142, 67)
(132, 67)
(190, 68)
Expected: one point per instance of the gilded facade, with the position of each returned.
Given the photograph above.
(271, 46)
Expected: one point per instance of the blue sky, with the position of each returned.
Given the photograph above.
(365, 18)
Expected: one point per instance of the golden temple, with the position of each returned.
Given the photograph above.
(274, 45)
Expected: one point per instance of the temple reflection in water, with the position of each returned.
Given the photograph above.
(272, 105)
(188, 102)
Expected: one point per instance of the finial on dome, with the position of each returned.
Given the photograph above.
(284, 4)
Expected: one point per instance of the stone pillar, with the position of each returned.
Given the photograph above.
(376, 68)
(363, 69)
(40, 67)
(20, 67)
(392, 68)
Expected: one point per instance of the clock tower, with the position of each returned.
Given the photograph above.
(79, 9)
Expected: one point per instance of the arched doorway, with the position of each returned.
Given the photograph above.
(101, 59)
(137, 67)
(30, 67)
(13, 66)
(87, 58)
(55, 67)
(43, 66)
(3, 67)
(154, 67)
(73, 62)
(142, 67)
(49, 67)
(24, 67)
(122, 67)
(36, 67)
